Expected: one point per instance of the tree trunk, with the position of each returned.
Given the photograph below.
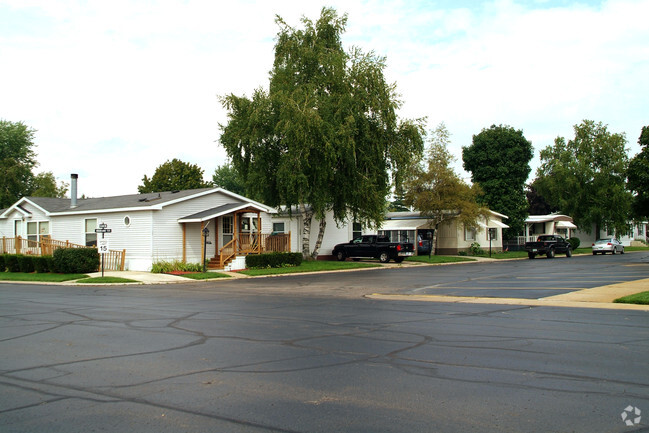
(318, 243)
(307, 216)
(433, 247)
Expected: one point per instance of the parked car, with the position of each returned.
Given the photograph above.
(548, 245)
(378, 247)
(424, 246)
(608, 245)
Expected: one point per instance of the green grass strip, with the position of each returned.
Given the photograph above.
(106, 280)
(40, 278)
(641, 298)
(205, 275)
(440, 259)
(310, 266)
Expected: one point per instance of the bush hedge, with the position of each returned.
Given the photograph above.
(76, 260)
(2, 263)
(11, 262)
(574, 243)
(26, 264)
(41, 264)
(273, 260)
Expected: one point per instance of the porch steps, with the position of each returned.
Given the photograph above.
(215, 263)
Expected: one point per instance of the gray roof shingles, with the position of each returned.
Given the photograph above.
(116, 202)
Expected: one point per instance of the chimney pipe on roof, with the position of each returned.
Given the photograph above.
(73, 189)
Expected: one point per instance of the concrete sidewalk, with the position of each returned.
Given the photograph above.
(596, 297)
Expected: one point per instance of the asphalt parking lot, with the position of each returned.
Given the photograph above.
(312, 353)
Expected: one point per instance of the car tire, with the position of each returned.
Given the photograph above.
(550, 254)
(622, 252)
(384, 257)
(340, 256)
(569, 252)
(614, 251)
(531, 256)
(594, 253)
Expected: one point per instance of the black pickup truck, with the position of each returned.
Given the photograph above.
(548, 245)
(378, 247)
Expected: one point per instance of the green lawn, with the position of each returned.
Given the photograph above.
(311, 266)
(638, 298)
(440, 259)
(42, 278)
(106, 280)
(205, 275)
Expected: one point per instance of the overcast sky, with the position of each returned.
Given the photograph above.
(116, 88)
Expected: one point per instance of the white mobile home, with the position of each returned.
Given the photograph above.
(152, 227)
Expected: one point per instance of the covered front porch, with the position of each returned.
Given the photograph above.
(230, 231)
(552, 224)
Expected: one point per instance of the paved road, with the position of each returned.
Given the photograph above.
(308, 354)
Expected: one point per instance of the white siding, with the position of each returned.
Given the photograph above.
(333, 234)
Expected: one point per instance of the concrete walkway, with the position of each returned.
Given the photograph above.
(596, 297)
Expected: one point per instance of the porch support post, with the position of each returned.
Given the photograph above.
(236, 233)
(202, 242)
(216, 236)
(258, 232)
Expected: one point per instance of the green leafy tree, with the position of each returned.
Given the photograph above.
(325, 135)
(499, 161)
(17, 160)
(638, 177)
(537, 205)
(438, 193)
(227, 177)
(174, 175)
(586, 178)
(44, 185)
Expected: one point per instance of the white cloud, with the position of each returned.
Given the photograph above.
(117, 88)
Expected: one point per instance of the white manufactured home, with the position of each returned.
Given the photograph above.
(146, 228)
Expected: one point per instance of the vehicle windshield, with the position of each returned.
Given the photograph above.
(603, 241)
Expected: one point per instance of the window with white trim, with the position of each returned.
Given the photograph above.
(469, 234)
(90, 225)
(37, 229)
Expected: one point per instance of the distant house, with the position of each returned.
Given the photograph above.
(398, 226)
(552, 224)
(637, 232)
(152, 227)
(557, 224)
(453, 237)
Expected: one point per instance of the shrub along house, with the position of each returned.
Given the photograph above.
(145, 228)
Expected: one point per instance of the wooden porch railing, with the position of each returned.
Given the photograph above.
(113, 261)
(254, 243)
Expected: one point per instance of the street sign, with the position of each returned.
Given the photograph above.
(102, 246)
(103, 230)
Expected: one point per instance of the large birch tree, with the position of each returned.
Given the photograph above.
(325, 135)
